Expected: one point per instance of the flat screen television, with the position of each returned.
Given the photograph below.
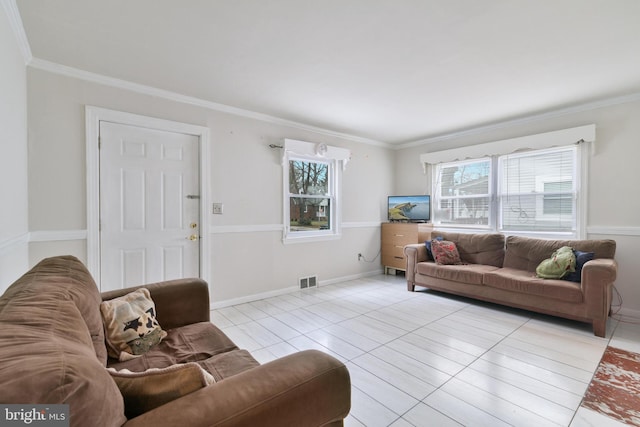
(410, 208)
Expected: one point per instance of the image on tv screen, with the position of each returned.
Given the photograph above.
(409, 208)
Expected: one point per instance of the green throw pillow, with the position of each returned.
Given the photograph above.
(561, 263)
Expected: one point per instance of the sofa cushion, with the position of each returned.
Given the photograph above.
(130, 324)
(51, 280)
(47, 352)
(487, 249)
(526, 253)
(525, 282)
(144, 391)
(445, 252)
(581, 259)
(225, 365)
(202, 343)
(55, 372)
(465, 273)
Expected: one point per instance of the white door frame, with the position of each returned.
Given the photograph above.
(93, 116)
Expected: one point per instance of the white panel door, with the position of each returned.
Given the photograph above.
(149, 206)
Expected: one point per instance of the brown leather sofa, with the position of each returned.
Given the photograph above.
(503, 270)
(52, 350)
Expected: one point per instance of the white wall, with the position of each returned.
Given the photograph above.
(614, 173)
(13, 161)
(248, 256)
(246, 177)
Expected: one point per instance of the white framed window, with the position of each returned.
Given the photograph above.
(463, 193)
(312, 191)
(537, 184)
(530, 192)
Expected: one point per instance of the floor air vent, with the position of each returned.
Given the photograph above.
(308, 282)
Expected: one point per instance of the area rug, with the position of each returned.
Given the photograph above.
(614, 390)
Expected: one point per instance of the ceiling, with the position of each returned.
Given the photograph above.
(394, 71)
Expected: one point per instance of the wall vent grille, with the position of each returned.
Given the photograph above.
(308, 282)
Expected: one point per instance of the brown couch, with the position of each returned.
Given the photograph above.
(52, 350)
(503, 271)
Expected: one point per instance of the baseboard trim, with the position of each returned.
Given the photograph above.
(351, 277)
(251, 298)
(287, 290)
(629, 313)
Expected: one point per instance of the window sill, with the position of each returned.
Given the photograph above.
(287, 240)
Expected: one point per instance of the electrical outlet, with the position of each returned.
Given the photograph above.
(359, 257)
(217, 208)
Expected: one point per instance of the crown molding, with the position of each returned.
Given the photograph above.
(606, 102)
(15, 21)
(77, 73)
(56, 68)
(13, 14)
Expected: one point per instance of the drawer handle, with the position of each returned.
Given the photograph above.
(399, 235)
(398, 257)
(401, 247)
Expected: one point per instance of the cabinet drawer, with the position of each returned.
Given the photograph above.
(399, 232)
(395, 261)
(393, 249)
(401, 239)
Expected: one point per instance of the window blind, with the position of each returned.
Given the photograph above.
(537, 191)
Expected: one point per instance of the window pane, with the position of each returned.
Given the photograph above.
(465, 179)
(309, 213)
(558, 198)
(311, 178)
(537, 191)
(524, 213)
(468, 210)
(463, 193)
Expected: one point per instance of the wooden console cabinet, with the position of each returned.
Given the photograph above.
(395, 235)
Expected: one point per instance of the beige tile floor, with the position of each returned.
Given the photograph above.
(428, 359)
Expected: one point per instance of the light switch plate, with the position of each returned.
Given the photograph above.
(217, 208)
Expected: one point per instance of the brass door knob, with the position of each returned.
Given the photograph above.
(193, 237)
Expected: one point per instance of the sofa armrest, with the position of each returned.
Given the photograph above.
(178, 302)
(597, 274)
(308, 388)
(415, 253)
(597, 280)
